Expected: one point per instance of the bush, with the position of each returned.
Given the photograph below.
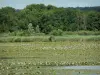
(39, 34)
(51, 38)
(58, 32)
(17, 39)
(19, 33)
(13, 34)
(31, 29)
(37, 29)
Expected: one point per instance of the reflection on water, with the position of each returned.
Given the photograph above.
(18, 67)
(84, 73)
(76, 70)
(75, 67)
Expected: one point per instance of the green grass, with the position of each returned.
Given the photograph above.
(46, 38)
(54, 53)
(82, 33)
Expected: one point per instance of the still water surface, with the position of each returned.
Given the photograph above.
(74, 67)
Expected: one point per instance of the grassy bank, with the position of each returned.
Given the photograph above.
(46, 38)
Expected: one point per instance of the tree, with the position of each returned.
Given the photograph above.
(7, 19)
(37, 29)
(48, 18)
(79, 20)
(84, 21)
(31, 29)
(93, 21)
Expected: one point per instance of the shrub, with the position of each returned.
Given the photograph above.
(31, 29)
(56, 32)
(19, 33)
(39, 34)
(52, 38)
(13, 34)
(37, 29)
(60, 32)
(17, 39)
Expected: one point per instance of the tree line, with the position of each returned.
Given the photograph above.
(45, 19)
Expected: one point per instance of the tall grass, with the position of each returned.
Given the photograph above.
(82, 33)
(47, 38)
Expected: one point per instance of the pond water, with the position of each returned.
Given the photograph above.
(75, 70)
(74, 67)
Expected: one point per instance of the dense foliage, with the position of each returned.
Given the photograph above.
(47, 19)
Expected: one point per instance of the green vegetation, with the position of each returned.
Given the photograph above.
(47, 38)
(28, 69)
(38, 18)
(30, 57)
(57, 32)
(41, 35)
(30, 29)
(53, 53)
